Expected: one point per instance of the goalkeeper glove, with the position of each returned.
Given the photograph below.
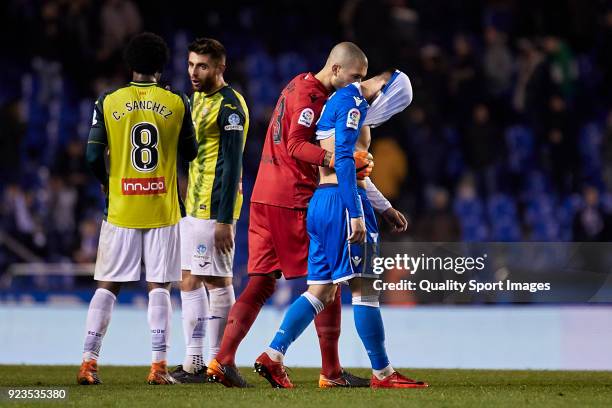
(364, 163)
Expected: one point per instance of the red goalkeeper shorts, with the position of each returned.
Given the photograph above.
(278, 241)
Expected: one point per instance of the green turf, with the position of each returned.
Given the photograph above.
(125, 386)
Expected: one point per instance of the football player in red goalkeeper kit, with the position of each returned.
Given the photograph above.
(278, 240)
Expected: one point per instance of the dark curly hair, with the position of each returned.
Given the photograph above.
(208, 46)
(146, 53)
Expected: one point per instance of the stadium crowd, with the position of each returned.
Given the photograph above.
(509, 137)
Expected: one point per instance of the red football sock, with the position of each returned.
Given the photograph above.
(242, 315)
(328, 329)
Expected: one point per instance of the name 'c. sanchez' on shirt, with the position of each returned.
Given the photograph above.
(143, 105)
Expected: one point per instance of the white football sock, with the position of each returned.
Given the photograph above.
(221, 301)
(159, 313)
(385, 372)
(98, 318)
(275, 355)
(195, 318)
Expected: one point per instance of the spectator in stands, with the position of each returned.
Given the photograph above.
(62, 216)
(119, 20)
(562, 67)
(430, 83)
(466, 78)
(532, 83)
(88, 245)
(498, 67)
(12, 129)
(483, 146)
(18, 209)
(560, 143)
(498, 63)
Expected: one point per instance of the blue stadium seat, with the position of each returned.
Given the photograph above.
(259, 64)
(501, 205)
(520, 143)
(468, 208)
(589, 144)
(502, 214)
(289, 64)
(545, 231)
(473, 230)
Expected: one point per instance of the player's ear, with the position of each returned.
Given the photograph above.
(336, 69)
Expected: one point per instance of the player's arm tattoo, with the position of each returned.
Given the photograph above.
(327, 159)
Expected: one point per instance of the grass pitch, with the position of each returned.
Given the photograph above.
(126, 386)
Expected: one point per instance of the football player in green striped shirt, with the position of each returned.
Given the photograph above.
(214, 199)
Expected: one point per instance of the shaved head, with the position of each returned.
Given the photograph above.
(345, 64)
(345, 54)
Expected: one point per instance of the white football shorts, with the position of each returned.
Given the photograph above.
(198, 252)
(124, 252)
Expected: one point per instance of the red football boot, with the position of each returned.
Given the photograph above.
(396, 380)
(272, 371)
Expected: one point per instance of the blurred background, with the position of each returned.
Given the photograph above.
(509, 137)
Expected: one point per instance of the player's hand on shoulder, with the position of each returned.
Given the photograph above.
(397, 220)
(224, 237)
(358, 230)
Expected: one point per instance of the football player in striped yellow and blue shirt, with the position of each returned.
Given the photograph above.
(214, 199)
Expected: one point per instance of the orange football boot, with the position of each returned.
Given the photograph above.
(227, 375)
(88, 373)
(159, 374)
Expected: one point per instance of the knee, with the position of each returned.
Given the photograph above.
(267, 285)
(325, 293)
(330, 296)
(259, 289)
(217, 282)
(366, 300)
(190, 282)
(113, 287)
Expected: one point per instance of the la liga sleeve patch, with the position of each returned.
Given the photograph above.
(306, 117)
(352, 118)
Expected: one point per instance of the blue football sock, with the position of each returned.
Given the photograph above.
(300, 314)
(369, 324)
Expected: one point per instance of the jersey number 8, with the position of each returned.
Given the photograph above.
(144, 138)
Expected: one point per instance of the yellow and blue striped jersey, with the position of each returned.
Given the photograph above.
(144, 126)
(221, 122)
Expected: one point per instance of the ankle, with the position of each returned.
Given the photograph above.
(383, 373)
(275, 355)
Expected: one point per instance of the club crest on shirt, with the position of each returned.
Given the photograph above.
(306, 117)
(352, 119)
